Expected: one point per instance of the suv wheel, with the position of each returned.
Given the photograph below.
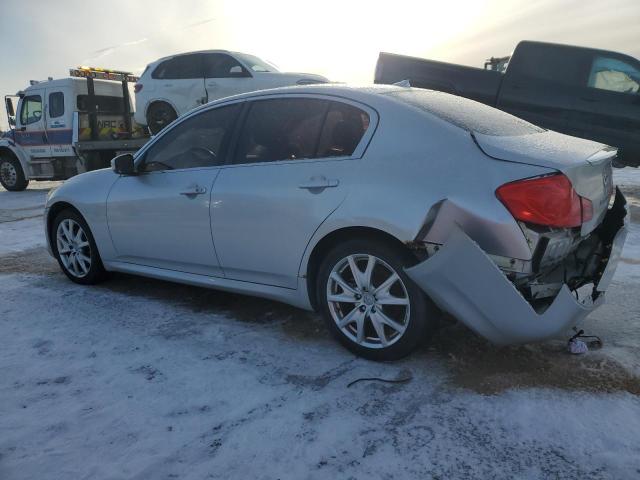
(159, 115)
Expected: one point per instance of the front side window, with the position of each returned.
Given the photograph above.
(608, 73)
(180, 67)
(197, 142)
(56, 104)
(220, 65)
(256, 64)
(281, 129)
(31, 110)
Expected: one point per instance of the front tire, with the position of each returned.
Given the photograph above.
(159, 115)
(371, 306)
(12, 176)
(75, 249)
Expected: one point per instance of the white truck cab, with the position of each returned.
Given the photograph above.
(63, 127)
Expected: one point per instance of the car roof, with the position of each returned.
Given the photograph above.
(362, 93)
(461, 112)
(66, 82)
(229, 52)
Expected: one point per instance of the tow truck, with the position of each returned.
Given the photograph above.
(68, 126)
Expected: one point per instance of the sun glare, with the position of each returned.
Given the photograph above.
(342, 39)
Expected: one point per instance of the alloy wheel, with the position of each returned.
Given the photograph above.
(368, 301)
(73, 248)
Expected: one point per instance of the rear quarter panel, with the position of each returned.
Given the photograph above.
(415, 162)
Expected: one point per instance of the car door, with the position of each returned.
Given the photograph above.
(608, 107)
(540, 85)
(30, 126)
(225, 76)
(57, 123)
(160, 216)
(292, 167)
(180, 81)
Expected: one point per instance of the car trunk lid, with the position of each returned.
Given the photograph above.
(587, 164)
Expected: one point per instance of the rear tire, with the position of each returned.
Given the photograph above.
(370, 316)
(159, 115)
(12, 176)
(75, 249)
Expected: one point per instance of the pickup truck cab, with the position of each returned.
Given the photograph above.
(66, 126)
(584, 92)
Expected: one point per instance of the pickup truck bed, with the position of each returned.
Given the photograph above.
(475, 83)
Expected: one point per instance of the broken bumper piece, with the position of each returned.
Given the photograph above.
(462, 280)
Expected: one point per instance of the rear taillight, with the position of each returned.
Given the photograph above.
(549, 201)
(137, 87)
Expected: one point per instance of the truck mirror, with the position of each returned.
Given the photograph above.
(12, 121)
(123, 164)
(10, 110)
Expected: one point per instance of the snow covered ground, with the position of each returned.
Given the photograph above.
(143, 379)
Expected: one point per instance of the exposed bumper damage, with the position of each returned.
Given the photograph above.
(462, 280)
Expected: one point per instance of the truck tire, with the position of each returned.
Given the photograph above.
(11, 174)
(159, 115)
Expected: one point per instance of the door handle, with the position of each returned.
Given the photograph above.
(319, 183)
(193, 191)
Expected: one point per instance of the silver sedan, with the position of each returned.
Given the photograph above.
(379, 207)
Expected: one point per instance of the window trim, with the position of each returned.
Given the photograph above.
(358, 152)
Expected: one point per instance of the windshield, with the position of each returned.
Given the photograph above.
(255, 64)
(464, 113)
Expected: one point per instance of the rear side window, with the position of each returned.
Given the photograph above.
(197, 142)
(281, 129)
(615, 75)
(220, 65)
(466, 114)
(181, 67)
(56, 104)
(344, 127)
(31, 110)
(102, 103)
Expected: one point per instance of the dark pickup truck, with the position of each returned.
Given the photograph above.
(584, 92)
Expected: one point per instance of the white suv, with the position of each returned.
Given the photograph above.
(174, 85)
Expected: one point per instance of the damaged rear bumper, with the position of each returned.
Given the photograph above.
(462, 280)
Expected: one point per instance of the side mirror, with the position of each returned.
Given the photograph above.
(123, 164)
(9, 103)
(12, 121)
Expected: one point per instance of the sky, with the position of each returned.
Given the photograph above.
(340, 39)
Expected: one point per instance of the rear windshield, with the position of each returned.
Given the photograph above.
(467, 114)
(103, 103)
